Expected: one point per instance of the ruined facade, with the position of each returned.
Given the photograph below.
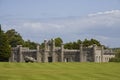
(50, 53)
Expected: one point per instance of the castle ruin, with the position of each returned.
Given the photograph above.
(51, 53)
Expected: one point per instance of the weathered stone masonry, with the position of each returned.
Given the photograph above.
(50, 53)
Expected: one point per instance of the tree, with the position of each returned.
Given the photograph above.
(5, 49)
(58, 42)
(31, 45)
(94, 41)
(42, 45)
(76, 44)
(14, 38)
(68, 45)
(86, 43)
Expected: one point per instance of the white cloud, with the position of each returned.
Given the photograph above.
(105, 13)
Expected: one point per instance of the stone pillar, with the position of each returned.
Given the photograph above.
(62, 53)
(85, 55)
(38, 57)
(94, 52)
(20, 54)
(45, 56)
(53, 50)
(81, 53)
(12, 57)
(102, 53)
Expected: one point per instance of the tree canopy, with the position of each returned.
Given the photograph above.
(30, 44)
(5, 49)
(86, 43)
(14, 38)
(73, 45)
(58, 41)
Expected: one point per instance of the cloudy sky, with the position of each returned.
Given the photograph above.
(71, 20)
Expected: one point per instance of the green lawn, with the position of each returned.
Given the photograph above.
(59, 71)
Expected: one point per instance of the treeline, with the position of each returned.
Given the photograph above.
(86, 43)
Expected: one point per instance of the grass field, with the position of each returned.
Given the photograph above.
(59, 71)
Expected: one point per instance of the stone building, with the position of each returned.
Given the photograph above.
(50, 53)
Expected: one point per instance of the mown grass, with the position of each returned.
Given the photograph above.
(59, 71)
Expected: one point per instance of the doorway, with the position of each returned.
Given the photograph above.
(49, 59)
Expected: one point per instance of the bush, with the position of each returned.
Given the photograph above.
(114, 60)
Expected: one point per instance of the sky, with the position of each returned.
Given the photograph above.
(71, 20)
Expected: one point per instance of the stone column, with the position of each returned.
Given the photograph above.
(94, 52)
(38, 54)
(45, 56)
(20, 54)
(102, 53)
(53, 50)
(85, 57)
(62, 53)
(81, 53)
(12, 56)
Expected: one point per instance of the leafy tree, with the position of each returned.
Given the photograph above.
(31, 45)
(78, 44)
(68, 45)
(5, 49)
(79, 41)
(58, 42)
(73, 45)
(42, 45)
(94, 41)
(86, 43)
(14, 38)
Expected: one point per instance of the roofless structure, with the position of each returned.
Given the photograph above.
(51, 53)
